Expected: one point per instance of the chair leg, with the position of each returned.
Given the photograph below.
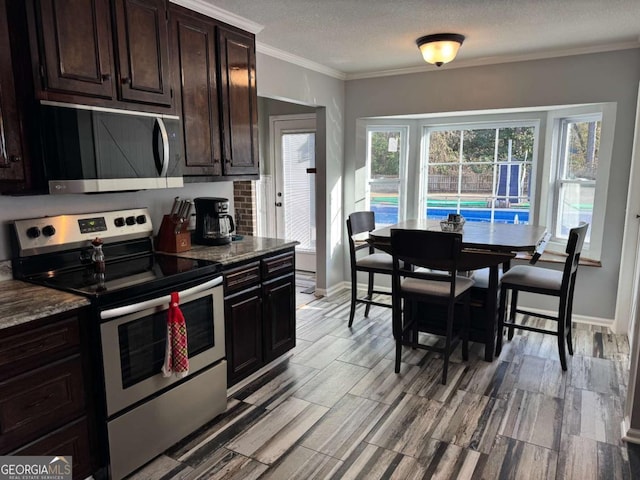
(465, 328)
(501, 314)
(562, 313)
(568, 323)
(411, 337)
(369, 294)
(354, 294)
(396, 322)
(512, 314)
(447, 343)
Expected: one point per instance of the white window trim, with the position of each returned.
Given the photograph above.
(593, 249)
(480, 122)
(402, 171)
(543, 162)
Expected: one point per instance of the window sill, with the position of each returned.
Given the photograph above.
(553, 257)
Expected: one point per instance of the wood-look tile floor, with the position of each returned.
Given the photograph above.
(335, 409)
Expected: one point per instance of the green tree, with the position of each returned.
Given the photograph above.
(385, 163)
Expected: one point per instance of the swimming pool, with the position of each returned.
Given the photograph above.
(388, 214)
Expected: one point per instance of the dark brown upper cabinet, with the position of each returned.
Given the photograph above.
(239, 102)
(143, 51)
(194, 67)
(77, 47)
(12, 161)
(99, 52)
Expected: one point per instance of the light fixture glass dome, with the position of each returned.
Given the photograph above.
(440, 48)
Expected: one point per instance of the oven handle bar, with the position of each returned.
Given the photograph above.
(159, 301)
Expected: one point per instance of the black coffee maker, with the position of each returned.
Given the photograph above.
(214, 225)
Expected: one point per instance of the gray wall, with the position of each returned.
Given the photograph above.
(158, 201)
(604, 77)
(266, 108)
(281, 80)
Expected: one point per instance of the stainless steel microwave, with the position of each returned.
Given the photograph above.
(93, 149)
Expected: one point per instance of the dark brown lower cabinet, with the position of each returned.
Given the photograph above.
(243, 323)
(279, 316)
(70, 439)
(45, 404)
(260, 313)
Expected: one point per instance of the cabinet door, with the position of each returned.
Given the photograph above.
(36, 402)
(76, 43)
(143, 51)
(279, 316)
(243, 324)
(12, 166)
(194, 71)
(239, 102)
(73, 438)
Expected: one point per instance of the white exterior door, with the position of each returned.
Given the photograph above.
(293, 141)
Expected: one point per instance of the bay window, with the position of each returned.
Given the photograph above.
(481, 171)
(547, 166)
(386, 163)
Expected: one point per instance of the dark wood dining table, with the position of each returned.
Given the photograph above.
(485, 245)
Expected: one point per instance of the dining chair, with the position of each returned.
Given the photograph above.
(544, 281)
(371, 263)
(436, 283)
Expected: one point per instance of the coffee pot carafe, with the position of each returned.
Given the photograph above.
(214, 225)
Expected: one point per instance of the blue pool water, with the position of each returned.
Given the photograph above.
(388, 214)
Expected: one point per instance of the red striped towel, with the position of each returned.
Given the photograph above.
(176, 359)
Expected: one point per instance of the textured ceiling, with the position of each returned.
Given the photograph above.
(359, 37)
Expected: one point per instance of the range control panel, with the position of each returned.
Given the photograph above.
(62, 232)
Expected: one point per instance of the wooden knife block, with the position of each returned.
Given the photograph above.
(170, 241)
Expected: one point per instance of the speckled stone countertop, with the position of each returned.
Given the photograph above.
(22, 302)
(238, 251)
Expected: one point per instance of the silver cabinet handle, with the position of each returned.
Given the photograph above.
(165, 147)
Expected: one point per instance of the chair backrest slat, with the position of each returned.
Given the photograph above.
(359, 222)
(574, 249)
(431, 250)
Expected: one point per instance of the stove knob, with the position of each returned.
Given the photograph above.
(141, 219)
(131, 220)
(33, 232)
(119, 222)
(48, 231)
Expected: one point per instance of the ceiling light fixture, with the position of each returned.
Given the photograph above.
(440, 48)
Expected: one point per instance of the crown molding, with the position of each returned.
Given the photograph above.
(218, 13)
(477, 62)
(300, 61)
(204, 7)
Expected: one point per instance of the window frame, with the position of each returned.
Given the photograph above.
(552, 164)
(402, 167)
(544, 159)
(477, 123)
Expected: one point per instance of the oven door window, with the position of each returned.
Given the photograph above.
(143, 341)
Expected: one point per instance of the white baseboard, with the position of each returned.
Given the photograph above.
(585, 319)
(631, 435)
(326, 292)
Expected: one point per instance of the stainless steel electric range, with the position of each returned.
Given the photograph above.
(108, 257)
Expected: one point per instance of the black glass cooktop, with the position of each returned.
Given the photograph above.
(145, 274)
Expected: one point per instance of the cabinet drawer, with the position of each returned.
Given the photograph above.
(241, 277)
(35, 402)
(278, 265)
(37, 346)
